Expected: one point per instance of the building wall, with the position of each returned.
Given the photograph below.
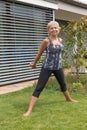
(66, 15)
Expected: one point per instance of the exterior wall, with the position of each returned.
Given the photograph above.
(67, 10)
(66, 15)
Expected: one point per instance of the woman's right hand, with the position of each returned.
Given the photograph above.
(32, 65)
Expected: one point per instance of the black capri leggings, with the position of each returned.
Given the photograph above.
(43, 78)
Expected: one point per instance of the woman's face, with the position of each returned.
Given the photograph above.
(53, 30)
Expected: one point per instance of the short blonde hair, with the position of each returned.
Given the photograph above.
(51, 23)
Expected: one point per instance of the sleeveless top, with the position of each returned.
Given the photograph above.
(53, 60)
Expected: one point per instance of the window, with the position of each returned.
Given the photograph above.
(22, 28)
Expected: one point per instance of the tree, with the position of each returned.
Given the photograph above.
(75, 34)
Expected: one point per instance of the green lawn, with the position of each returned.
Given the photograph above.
(51, 112)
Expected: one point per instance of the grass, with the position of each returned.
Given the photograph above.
(51, 112)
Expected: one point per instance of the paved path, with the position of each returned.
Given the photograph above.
(15, 87)
(19, 86)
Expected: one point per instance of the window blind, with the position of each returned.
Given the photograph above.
(22, 28)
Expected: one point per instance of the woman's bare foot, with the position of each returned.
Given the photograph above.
(26, 114)
(71, 100)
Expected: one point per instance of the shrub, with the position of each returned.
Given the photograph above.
(77, 86)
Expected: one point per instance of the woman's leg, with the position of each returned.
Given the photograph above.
(59, 74)
(43, 78)
(68, 97)
(31, 105)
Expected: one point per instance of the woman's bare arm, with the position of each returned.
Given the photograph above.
(43, 46)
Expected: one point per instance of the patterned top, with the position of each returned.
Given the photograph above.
(53, 60)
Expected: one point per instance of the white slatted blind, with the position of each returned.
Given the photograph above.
(22, 28)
